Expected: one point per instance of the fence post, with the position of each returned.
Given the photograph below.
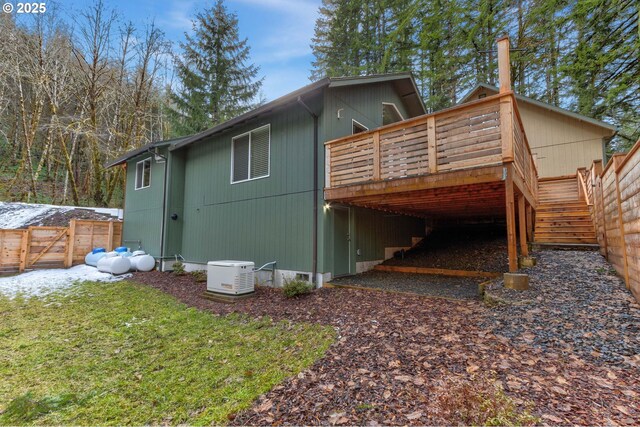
(376, 156)
(24, 249)
(110, 237)
(623, 243)
(71, 238)
(432, 147)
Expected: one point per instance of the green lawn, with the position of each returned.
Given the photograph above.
(127, 354)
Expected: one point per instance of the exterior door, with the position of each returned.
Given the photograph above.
(341, 242)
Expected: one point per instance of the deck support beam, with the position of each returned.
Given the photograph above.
(522, 213)
(529, 223)
(511, 219)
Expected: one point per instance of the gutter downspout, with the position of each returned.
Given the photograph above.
(164, 204)
(314, 272)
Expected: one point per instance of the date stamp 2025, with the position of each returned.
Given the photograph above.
(33, 7)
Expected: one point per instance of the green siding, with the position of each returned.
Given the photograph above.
(375, 230)
(175, 203)
(143, 208)
(371, 230)
(267, 219)
(362, 103)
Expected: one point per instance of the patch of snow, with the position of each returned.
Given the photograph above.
(16, 215)
(43, 282)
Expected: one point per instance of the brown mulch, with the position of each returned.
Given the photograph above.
(395, 354)
(484, 249)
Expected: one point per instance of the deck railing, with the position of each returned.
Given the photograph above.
(484, 132)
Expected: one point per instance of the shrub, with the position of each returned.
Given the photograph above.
(199, 275)
(178, 268)
(293, 288)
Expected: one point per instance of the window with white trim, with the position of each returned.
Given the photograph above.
(357, 127)
(250, 154)
(143, 174)
(390, 113)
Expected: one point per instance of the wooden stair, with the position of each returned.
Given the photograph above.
(562, 218)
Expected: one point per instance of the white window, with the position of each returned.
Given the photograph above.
(357, 127)
(390, 113)
(143, 174)
(250, 155)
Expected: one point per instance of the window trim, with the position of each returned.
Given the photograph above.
(136, 187)
(395, 107)
(231, 181)
(355, 122)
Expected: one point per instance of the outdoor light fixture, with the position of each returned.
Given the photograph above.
(340, 110)
(326, 206)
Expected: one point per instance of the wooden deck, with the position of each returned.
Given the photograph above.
(471, 160)
(453, 162)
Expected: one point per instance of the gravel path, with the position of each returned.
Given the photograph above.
(576, 303)
(397, 354)
(422, 284)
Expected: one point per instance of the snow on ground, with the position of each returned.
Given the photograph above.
(16, 215)
(42, 282)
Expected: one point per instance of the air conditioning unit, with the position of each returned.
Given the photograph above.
(230, 277)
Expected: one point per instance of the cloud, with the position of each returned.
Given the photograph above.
(288, 35)
(178, 16)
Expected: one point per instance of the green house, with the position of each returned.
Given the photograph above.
(251, 188)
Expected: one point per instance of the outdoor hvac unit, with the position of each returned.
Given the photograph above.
(230, 277)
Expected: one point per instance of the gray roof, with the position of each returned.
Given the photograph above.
(404, 83)
(133, 153)
(544, 105)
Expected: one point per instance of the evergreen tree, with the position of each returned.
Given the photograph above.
(603, 69)
(582, 55)
(216, 83)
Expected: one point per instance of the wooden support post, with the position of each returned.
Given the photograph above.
(504, 64)
(511, 220)
(604, 219)
(110, 237)
(376, 156)
(529, 223)
(71, 239)
(621, 224)
(506, 128)
(24, 250)
(524, 250)
(432, 148)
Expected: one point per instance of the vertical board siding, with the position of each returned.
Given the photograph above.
(377, 230)
(143, 208)
(262, 220)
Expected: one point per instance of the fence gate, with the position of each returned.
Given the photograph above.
(46, 247)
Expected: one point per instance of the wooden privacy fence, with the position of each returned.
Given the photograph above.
(615, 209)
(55, 247)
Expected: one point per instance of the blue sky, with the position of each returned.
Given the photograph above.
(279, 32)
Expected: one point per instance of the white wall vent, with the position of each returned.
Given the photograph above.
(230, 277)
